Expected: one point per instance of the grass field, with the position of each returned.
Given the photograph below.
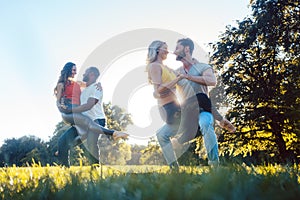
(150, 182)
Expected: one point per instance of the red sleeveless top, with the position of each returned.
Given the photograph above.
(72, 91)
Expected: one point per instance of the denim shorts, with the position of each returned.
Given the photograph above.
(70, 106)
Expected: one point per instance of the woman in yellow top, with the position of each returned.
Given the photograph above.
(164, 80)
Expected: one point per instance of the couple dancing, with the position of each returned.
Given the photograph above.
(190, 82)
(83, 110)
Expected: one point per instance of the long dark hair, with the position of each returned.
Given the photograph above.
(65, 73)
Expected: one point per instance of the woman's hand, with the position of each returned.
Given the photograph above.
(99, 86)
(181, 76)
(81, 84)
(59, 105)
(65, 110)
(62, 108)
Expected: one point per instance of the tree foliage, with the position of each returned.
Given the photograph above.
(136, 153)
(152, 154)
(114, 152)
(117, 118)
(60, 128)
(23, 151)
(259, 64)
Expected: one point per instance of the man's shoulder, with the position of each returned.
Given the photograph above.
(91, 89)
(201, 67)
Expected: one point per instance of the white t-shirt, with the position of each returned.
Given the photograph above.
(96, 112)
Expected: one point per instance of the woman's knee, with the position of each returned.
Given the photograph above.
(162, 137)
(159, 136)
(82, 119)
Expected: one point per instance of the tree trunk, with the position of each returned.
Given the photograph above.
(283, 153)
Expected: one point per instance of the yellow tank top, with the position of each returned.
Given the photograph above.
(167, 75)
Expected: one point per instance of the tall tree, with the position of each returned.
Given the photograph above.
(259, 62)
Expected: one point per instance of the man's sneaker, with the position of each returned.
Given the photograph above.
(174, 166)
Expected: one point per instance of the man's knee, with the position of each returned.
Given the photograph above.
(92, 138)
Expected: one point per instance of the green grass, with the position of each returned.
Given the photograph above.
(150, 182)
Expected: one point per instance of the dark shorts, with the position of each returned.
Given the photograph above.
(204, 102)
(170, 112)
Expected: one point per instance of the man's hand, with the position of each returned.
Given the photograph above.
(195, 61)
(182, 76)
(224, 123)
(81, 84)
(156, 95)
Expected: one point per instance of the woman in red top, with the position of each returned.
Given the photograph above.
(67, 94)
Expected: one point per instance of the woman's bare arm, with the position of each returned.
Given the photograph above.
(59, 91)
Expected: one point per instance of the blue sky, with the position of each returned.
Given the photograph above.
(38, 37)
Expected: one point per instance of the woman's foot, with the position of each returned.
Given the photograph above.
(118, 134)
(224, 123)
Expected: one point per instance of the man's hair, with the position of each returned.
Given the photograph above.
(187, 42)
(95, 71)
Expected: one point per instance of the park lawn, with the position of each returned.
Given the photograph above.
(150, 182)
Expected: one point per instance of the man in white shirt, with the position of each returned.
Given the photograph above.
(91, 106)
